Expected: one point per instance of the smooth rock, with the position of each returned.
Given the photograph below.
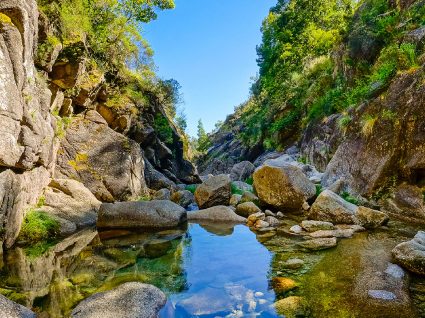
(135, 300)
(293, 263)
(272, 221)
(149, 214)
(283, 284)
(214, 191)
(235, 199)
(283, 186)
(371, 219)
(260, 224)
(395, 271)
(291, 307)
(340, 233)
(163, 194)
(331, 207)
(411, 254)
(216, 214)
(247, 208)
(249, 197)
(183, 198)
(312, 226)
(296, 229)
(10, 309)
(319, 243)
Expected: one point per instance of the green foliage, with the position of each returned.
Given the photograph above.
(144, 198)
(192, 187)
(38, 226)
(163, 129)
(250, 180)
(38, 249)
(236, 190)
(319, 189)
(203, 142)
(349, 198)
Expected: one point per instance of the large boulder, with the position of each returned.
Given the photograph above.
(214, 191)
(10, 309)
(149, 214)
(330, 207)
(411, 254)
(134, 300)
(242, 171)
(282, 186)
(70, 200)
(87, 152)
(216, 214)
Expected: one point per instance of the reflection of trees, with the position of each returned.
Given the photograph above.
(84, 264)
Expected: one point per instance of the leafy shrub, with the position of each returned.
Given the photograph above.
(192, 187)
(163, 129)
(249, 180)
(319, 189)
(236, 190)
(38, 226)
(349, 198)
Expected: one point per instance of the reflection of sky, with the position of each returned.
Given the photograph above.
(225, 269)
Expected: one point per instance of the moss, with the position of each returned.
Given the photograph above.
(38, 226)
(368, 122)
(80, 162)
(36, 250)
(145, 197)
(41, 201)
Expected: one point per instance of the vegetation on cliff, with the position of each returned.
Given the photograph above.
(321, 58)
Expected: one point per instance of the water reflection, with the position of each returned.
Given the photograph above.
(89, 262)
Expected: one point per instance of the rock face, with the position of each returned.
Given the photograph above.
(242, 171)
(395, 148)
(27, 138)
(282, 186)
(70, 200)
(9, 309)
(407, 201)
(214, 191)
(149, 215)
(128, 300)
(109, 164)
(216, 214)
(411, 254)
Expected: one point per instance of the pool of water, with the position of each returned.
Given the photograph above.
(218, 271)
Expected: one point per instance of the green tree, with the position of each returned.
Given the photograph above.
(204, 141)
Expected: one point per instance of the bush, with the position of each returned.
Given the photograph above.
(192, 187)
(38, 226)
(349, 198)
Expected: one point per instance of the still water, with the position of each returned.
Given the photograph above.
(218, 271)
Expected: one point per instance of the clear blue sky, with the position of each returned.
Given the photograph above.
(209, 48)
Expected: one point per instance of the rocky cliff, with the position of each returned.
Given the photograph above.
(61, 120)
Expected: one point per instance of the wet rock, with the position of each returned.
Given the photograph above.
(10, 309)
(242, 171)
(319, 244)
(214, 191)
(128, 300)
(235, 199)
(331, 207)
(381, 294)
(312, 226)
(293, 263)
(247, 208)
(253, 218)
(183, 198)
(291, 307)
(260, 224)
(283, 284)
(216, 214)
(163, 194)
(411, 254)
(283, 186)
(149, 214)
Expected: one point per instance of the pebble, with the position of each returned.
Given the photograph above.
(381, 294)
(395, 271)
(293, 263)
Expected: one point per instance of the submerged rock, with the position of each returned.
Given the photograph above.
(283, 284)
(10, 309)
(382, 294)
(216, 214)
(134, 300)
(411, 254)
(214, 191)
(293, 263)
(151, 214)
(283, 186)
(291, 307)
(296, 229)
